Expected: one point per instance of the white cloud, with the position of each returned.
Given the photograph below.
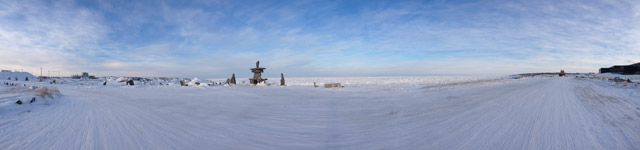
(309, 39)
(55, 35)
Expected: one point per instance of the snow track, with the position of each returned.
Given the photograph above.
(549, 113)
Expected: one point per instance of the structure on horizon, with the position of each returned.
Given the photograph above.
(622, 69)
(257, 74)
(85, 75)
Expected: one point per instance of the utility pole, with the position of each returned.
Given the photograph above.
(40, 71)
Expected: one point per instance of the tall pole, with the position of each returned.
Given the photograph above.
(40, 71)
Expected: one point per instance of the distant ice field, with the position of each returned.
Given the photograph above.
(402, 82)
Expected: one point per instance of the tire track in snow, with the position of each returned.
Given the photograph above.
(616, 108)
(86, 120)
(550, 113)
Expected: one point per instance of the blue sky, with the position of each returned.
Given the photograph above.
(317, 38)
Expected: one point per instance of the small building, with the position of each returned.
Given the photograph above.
(85, 75)
(622, 69)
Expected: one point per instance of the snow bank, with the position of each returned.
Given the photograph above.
(9, 95)
(21, 75)
(635, 78)
(197, 82)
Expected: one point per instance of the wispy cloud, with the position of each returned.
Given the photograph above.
(47, 34)
(317, 38)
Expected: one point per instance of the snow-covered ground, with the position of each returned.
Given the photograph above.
(370, 113)
(395, 83)
(635, 78)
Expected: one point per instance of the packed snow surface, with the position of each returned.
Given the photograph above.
(530, 113)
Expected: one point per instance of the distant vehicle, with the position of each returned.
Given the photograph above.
(562, 74)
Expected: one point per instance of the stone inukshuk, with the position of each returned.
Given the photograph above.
(233, 79)
(257, 74)
(281, 79)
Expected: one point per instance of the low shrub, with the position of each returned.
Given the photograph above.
(44, 92)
